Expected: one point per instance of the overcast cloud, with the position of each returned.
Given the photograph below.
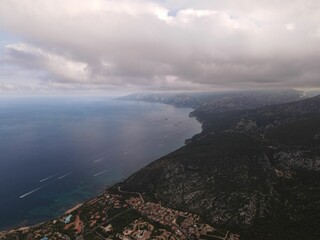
(158, 45)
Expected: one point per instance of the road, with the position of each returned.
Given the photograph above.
(119, 189)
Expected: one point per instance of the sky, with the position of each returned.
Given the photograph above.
(65, 46)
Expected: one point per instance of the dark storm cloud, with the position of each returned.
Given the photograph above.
(143, 45)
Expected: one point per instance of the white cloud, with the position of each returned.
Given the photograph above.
(290, 26)
(6, 87)
(164, 44)
(58, 66)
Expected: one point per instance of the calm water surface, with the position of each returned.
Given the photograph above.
(55, 153)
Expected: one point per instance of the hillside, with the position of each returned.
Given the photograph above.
(256, 171)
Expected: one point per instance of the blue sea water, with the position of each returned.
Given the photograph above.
(58, 152)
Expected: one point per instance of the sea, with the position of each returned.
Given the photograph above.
(57, 152)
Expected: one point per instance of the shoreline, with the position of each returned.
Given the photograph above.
(74, 207)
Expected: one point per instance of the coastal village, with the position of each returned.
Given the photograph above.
(121, 215)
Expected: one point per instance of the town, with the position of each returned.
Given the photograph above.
(122, 215)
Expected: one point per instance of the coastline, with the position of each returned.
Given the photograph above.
(74, 208)
(109, 187)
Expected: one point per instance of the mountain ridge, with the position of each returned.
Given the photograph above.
(252, 171)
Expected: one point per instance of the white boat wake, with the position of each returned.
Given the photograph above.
(28, 193)
(99, 173)
(98, 160)
(107, 170)
(63, 176)
(45, 179)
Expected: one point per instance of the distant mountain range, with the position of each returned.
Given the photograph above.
(220, 101)
(254, 169)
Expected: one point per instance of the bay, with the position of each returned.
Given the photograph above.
(58, 152)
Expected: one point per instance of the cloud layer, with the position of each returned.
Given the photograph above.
(171, 45)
